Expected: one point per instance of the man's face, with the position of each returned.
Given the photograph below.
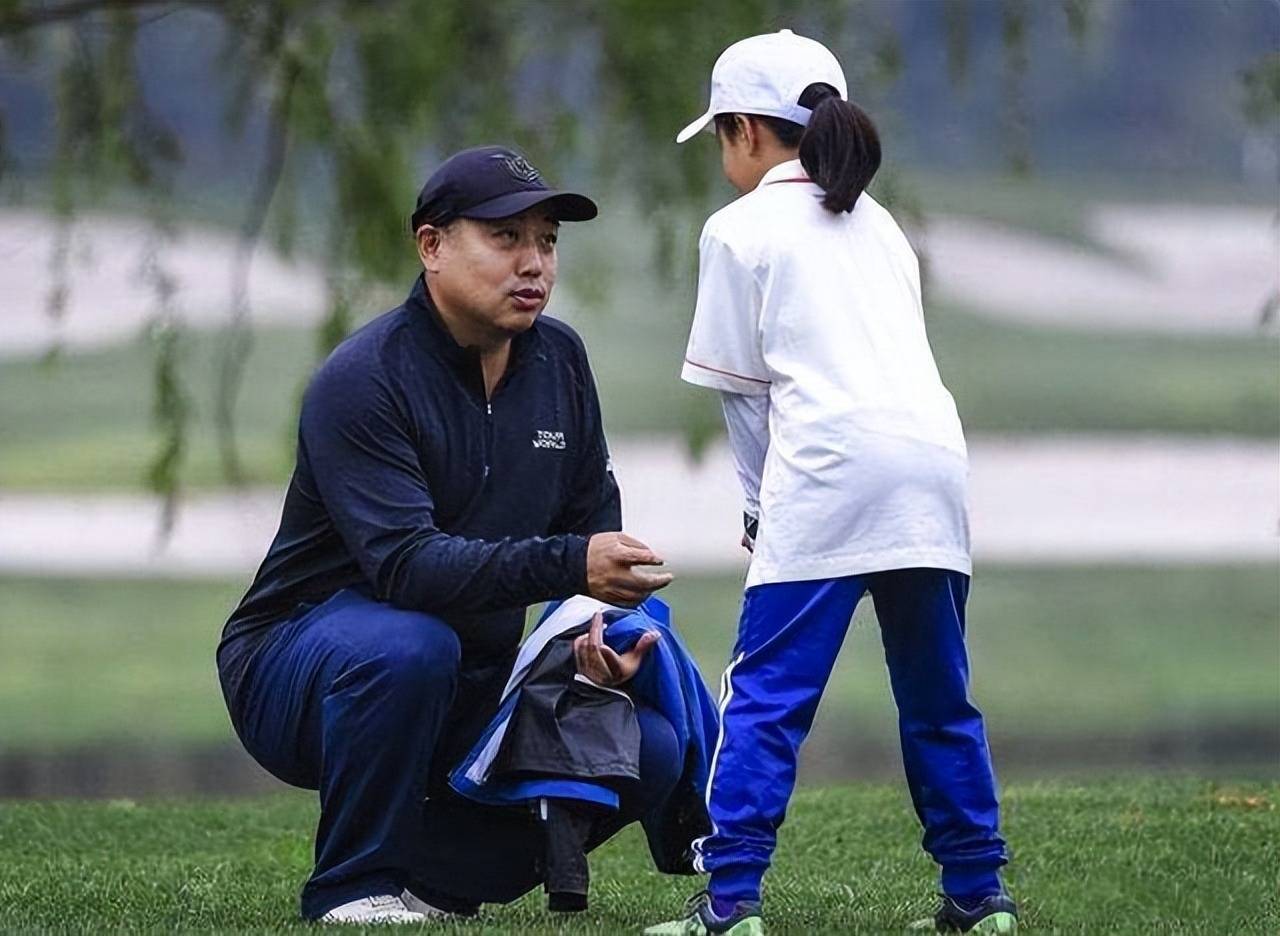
(495, 276)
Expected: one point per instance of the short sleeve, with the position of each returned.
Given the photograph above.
(724, 351)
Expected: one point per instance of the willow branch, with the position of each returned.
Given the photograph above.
(36, 16)
(239, 337)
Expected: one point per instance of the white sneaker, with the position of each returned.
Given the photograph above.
(417, 905)
(373, 911)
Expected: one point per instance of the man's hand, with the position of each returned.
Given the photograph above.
(612, 575)
(602, 665)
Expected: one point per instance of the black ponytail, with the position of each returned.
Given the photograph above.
(840, 148)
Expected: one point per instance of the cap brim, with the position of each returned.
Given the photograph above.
(691, 131)
(564, 206)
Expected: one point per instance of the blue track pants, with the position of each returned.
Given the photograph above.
(371, 705)
(788, 638)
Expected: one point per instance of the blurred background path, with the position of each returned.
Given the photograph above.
(1034, 500)
(1167, 267)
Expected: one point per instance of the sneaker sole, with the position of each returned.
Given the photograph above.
(416, 920)
(751, 926)
(996, 923)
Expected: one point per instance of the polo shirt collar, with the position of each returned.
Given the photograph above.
(789, 171)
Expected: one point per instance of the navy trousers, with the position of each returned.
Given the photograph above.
(372, 705)
(788, 638)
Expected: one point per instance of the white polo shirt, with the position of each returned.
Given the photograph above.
(865, 468)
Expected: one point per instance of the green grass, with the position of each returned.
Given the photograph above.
(1135, 857)
(1020, 378)
(1058, 206)
(84, 423)
(1005, 378)
(94, 661)
(1055, 209)
(1065, 652)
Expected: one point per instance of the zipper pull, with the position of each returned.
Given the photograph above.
(488, 408)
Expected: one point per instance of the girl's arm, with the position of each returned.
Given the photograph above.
(747, 419)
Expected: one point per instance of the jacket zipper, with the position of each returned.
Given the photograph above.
(488, 438)
(488, 421)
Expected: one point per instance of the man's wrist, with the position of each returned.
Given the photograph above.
(576, 563)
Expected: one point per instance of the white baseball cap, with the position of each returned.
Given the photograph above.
(766, 75)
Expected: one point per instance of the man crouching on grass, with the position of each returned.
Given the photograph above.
(451, 470)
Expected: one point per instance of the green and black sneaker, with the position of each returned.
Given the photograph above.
(995, 914)
(700, 920)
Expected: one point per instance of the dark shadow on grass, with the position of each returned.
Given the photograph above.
(1241, 749)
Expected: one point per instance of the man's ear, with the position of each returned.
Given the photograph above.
(429, 238)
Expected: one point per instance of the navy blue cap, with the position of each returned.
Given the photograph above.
(492, 182)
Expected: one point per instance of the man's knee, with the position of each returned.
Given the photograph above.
(660, 761)
(403, 651)
(419, 649)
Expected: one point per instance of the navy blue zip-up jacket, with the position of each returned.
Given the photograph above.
(412, 486)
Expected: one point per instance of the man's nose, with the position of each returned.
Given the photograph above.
(529, 261)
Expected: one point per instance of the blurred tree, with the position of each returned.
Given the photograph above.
(1262, 109)
(357, 88)
(1262, 90)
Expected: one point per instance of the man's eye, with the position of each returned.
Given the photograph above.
(549, 239)
(507, 234)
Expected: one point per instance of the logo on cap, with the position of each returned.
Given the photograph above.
(520, 168)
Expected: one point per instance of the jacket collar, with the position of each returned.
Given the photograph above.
(432, 334)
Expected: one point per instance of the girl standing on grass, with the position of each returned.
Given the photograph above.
(853, 464)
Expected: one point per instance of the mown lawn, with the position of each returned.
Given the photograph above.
(1059, 205)
(84, 422)
(1146, 856)
(1057, 652)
